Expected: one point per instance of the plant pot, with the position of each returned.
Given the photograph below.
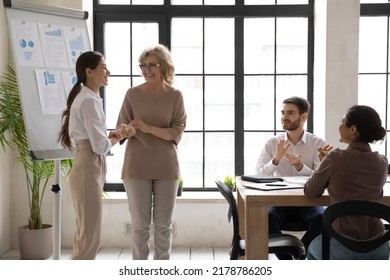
(36, 244)
(179, 191)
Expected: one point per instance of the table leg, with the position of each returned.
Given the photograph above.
(256, 233)
(241, 213)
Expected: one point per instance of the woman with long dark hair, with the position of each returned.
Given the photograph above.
(84, 129)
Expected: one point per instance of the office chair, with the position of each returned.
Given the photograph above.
(277, 243)
(352, 208)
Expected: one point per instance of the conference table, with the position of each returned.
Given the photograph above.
(253, 212)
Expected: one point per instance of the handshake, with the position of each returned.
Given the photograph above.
(122, 132)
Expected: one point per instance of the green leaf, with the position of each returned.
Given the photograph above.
(13, 135)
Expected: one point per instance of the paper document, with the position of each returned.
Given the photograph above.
(271, 186)
(300, 180)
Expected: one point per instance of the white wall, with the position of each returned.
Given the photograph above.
(5, 205)
(199, 223)
(5, 176)
(336, 64)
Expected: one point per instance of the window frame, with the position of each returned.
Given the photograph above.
(381, 10)
(164, 13)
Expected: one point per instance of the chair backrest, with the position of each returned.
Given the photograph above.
(233, 213)
(352, 208)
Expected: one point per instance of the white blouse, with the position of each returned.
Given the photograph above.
(88, 121)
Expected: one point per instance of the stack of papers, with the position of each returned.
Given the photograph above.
(269, 183)
(301, 180)
(271, 186)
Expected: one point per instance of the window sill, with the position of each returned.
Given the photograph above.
(186, 197)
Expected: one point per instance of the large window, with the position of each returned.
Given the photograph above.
(374, 59)
(235, 63)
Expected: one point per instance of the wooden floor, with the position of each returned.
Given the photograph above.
(125, 254)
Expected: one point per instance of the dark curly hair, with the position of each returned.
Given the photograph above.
(367, 122)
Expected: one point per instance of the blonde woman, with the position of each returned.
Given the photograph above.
(151, 169)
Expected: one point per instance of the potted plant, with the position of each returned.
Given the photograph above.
(13, 135)
(230, 182)
(180, 188)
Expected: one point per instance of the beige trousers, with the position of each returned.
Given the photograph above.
(86, 182)
(151, 199)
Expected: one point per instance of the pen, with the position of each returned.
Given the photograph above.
(276, 185)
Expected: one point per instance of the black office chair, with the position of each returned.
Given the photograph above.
(277, 243)
(352, 208)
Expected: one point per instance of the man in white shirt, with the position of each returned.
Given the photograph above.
(293, 153)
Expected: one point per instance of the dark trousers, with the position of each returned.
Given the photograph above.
(311, 216)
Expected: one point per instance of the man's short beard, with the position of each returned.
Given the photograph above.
(292, 126)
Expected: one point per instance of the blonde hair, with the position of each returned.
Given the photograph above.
(165, 60)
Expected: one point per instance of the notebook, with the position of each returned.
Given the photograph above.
(261, 178)
(272, 187)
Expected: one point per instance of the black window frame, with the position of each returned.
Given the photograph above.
(380, 10)
(164, 13)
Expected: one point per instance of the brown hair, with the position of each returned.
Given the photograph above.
(90, 59)
(302, 104)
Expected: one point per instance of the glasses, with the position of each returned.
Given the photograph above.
(150, 66)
